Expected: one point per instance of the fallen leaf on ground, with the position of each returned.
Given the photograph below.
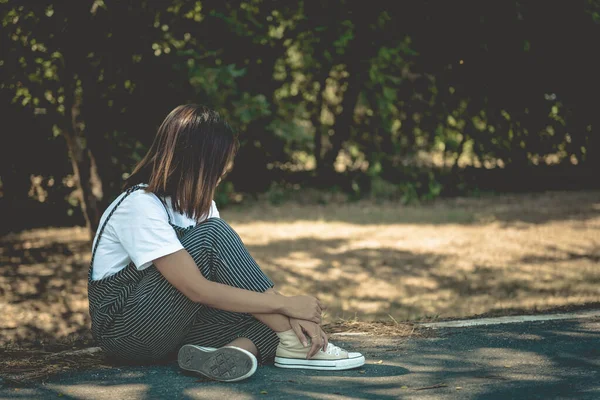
(458, 387)
(263, 392)
(362, 371)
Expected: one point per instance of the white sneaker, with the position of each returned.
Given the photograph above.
(292, 354)
(226, 364)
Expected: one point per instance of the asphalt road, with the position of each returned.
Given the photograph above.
(536, 360)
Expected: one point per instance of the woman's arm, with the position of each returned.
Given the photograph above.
(181, 271)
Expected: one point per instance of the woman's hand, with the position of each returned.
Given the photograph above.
(303, 307)
(318, 338)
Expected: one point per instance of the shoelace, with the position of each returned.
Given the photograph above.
(333, 348)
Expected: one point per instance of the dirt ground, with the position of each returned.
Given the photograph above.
(454, 258)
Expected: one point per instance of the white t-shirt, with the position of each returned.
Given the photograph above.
(138, 231)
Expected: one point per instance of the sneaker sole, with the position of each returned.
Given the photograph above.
(324, 365)
(226, 364)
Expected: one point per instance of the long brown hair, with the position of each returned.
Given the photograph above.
(191, 150)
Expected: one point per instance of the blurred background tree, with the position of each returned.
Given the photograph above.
(383, 98)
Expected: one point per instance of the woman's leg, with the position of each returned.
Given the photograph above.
(255, 333)
(230, 262)
(164, 319)
(233, 329)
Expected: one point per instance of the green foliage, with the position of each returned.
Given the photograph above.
(500, 86)
(225, 194)
(422, 187)
(384, 190)
(277, 194)
(409, 194)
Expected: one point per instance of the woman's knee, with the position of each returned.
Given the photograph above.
(221, 256)
(207, 233)
(214, 228)
(215, 224)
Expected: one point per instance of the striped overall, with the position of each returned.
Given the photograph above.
(139, 317)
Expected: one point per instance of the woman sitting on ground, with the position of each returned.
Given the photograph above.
(168, 276)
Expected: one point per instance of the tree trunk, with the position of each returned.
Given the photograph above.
(82, 160)
(461, 146)
(593, 143)
(343, 122)
(77, 75)
(357, 60)
(316, 117)
(107, 180)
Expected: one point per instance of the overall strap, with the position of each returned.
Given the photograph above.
(164, 203)
(127, 193)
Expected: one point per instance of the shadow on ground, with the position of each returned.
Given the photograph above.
(43, 286)
(379, 282)
(555, 359)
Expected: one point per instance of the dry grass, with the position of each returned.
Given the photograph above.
(22, 366)
(376, 328)
(368, 262)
